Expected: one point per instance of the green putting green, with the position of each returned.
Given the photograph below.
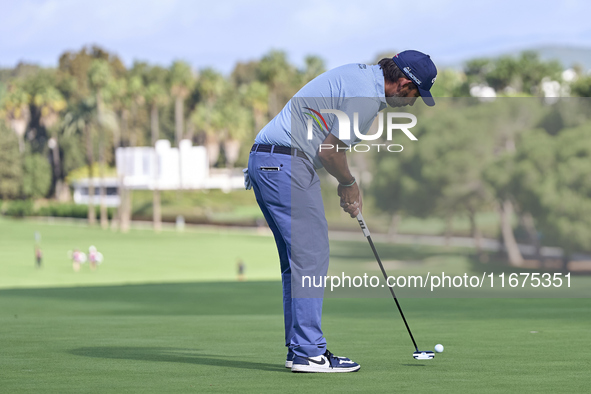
(133, 326)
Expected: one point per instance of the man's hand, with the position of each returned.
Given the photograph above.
(335, 162)
(350, 199)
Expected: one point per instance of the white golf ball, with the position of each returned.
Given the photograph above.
(439, 348)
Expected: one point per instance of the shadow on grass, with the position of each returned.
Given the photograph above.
(193, 298)
(172, 355)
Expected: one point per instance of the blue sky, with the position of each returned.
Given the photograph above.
(220, 33)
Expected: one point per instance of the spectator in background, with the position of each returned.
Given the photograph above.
(92, 257)
(78, 258)
(241, 269)
(38, 256)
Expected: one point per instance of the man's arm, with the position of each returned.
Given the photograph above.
(335, 163)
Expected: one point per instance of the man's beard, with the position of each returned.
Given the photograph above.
(395, 101)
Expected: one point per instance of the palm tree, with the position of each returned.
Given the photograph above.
(237, 127)
(181, 82)
(278, 74)
(118, 90)
(80, 120)
(256, 96)
(207, 116)
(136, 91)
(50, 103)
(209, 122)
(16, 107)
(120, 103)
(134, 98)
(156, 97)
(314, 67)
(99, 76)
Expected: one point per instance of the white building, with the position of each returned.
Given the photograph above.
(162, 168)
(111, 191)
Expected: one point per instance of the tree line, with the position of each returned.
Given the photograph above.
(56, 120)
(518, 153)
(519, 156)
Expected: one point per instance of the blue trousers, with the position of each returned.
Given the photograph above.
(287, 190)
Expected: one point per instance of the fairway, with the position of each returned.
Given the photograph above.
(137, 257)
(165, 313)
(227, 337)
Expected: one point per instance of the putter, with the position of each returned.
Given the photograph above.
(418, 355)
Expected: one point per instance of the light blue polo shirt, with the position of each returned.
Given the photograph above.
(352, 88)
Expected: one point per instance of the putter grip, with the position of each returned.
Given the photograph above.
(363, 225)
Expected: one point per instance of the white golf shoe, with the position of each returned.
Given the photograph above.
(326, 362)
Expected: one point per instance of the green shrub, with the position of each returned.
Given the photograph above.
(20, 208)
(36, 176)
(64, 210)
(11, 169)
(71, 210)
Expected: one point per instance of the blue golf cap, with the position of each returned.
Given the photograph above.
(420, 69)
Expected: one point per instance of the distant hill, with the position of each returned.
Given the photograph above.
(566, 55)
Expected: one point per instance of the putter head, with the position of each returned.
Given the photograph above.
(427, 355)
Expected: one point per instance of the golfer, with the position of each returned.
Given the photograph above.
(281, 170)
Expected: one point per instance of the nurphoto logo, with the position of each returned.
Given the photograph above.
(345, 129)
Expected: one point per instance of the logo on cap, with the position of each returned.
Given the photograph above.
(411, 75)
